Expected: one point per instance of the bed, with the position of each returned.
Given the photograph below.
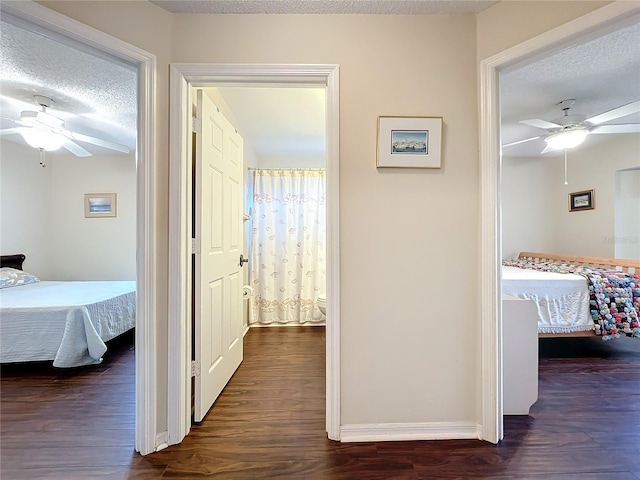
(576, 295)
(64, 322)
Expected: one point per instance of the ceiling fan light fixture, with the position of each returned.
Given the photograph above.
(42, 139)
(567, 138)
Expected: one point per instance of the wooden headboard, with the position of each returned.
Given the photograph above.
(13, 261)
(594, 262)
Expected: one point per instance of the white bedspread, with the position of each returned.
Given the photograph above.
(562, 299)
(67, 322)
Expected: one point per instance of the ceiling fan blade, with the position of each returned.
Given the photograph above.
(33, 118)
(9, 131)
(521, 141)
(628, 109)
(536, 122)
(624, 128)
(97, 141)
(548, 149)
(76, 149)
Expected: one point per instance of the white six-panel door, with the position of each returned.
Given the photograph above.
(219, 235)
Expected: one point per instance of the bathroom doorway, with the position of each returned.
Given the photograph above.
(183, 78)
(283, 132)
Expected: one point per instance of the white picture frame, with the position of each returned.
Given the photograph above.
(100, 205)
(409, 142)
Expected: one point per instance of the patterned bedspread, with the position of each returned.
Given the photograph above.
(614, 296)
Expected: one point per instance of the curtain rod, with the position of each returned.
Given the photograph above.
(286, 168)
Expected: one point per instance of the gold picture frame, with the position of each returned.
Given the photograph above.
(584, 200)
(100, 205)
(409, 142)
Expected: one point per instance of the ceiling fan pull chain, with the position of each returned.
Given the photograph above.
(566, 180)
(42, 160)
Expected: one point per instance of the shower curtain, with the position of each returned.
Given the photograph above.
(288, 245)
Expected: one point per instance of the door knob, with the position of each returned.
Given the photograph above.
(243, 260)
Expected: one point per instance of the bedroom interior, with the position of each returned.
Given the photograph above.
(538, 183)
(68, 251)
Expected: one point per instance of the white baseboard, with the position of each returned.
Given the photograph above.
(387, 432)
(277, 325)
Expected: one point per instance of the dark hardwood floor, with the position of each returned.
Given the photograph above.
(269, 422)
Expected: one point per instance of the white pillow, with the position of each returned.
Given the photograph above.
(10, 277)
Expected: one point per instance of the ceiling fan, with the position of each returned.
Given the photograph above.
(570, 130)
(47, 132)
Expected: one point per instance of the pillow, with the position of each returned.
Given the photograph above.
(10, 277)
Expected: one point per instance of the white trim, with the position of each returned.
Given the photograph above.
(145, 357)
(178, 351)
(182, 77)
(391, 432)
(146, 248)
(285, 325)
(332, 317)
(608, 17)
(490, 244)
(162, 440)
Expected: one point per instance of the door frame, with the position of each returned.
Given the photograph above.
(184, 76)
(609, 17)
(146, 286)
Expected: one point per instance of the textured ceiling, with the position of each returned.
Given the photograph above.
(380, 7)
(600, 74)
(94, 95)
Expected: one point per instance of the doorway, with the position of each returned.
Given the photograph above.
(608, 17)
(30, 14)
(183, 78)
(283, 131)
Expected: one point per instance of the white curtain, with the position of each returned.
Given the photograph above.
(288, 245)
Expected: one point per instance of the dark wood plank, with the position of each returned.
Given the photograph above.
(269, 422)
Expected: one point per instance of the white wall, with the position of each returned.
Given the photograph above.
(93, 248)
(536, 214)
(589, 232)
(626, 240)
(308, 161)
(526, 202)
(43, 214)
(25, 212)
(387, 216)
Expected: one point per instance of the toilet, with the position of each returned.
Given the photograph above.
(322, 303)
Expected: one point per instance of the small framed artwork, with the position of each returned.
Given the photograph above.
(584, 200)
(409, 142)
(98, 205)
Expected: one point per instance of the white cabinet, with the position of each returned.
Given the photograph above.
(520, 354)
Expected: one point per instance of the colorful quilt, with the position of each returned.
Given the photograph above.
(614, 296)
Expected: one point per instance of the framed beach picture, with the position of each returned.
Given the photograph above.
(409, 142)
(100, 205)
(584, 200)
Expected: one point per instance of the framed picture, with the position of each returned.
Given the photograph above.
(584, 200)
(100, 205)
(409, 142)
